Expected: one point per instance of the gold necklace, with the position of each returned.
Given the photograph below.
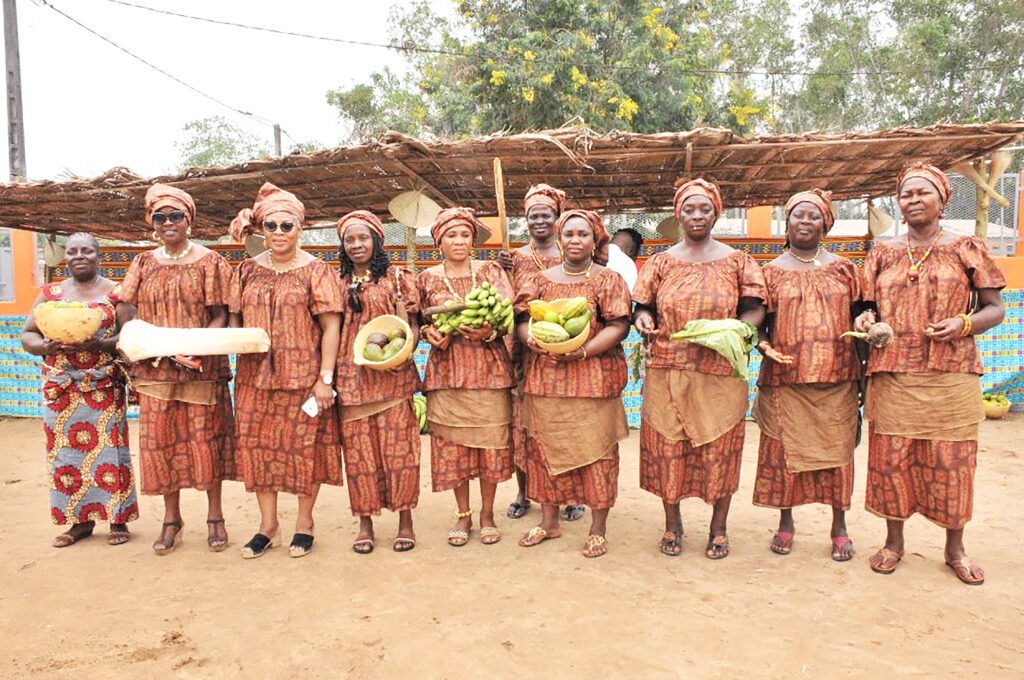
(816, 261)
(273, 265)
(361, 279)
(179, 256)
(915, 266)
(536, 259)
(585, 272)
(448, 283)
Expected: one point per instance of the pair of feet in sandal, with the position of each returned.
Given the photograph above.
(842, 546)
(459, 535)
(595, 545)
(521, 506)
(364, 544)
(172, 536)
(118, 534)
(885, 560)
(260, 543)
(672, 544)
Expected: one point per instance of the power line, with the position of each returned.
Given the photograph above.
(540, 60)
(247, 114)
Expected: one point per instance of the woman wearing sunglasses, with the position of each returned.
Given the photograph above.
(186, 438)
(295, 298)
(468, 380)
(379, 430)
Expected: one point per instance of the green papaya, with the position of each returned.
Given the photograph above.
(373, 353)
(548, 332)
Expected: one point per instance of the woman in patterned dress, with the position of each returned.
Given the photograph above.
(808, 400)
(186, 437)
(295, 298)
(924, 388)
(84, 421)
(542, 206)
(572, 405)
(379, 432)
(692, 420)
(467, 382)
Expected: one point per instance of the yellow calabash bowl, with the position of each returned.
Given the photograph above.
(570, 345)
(70, 325)
(995, 410)
(382, 324)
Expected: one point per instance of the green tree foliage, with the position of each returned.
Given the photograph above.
(214, 141)
(647, 65)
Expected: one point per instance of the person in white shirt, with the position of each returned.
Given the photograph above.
(622, 253)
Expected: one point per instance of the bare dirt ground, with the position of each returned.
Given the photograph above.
(95, 611)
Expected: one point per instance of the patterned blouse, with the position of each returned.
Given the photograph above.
(178, 296)
(681, 291)
(943, 290)
(600, 376)
(466, 364)
(361, 385)
(286, 306)
(524, 265)
(812, 309)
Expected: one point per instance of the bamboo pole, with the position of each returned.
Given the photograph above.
(410, 249)
(499, 193)
(981, 203)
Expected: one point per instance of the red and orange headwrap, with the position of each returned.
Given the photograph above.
(449, 218)
(163, 195)
(544, 194)
(697, 187)
(601, 236)
(929, 172)
(818, 197)
(363, 217)
(272, 199)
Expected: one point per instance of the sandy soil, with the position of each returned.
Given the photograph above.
(95, 611)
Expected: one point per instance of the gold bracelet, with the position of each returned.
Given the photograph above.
(492, 337)
(968, 325)
(585, 355)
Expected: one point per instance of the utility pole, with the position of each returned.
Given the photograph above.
(15, 115)
(277, 131)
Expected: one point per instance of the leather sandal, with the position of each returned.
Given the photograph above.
(538, 535)
(258, 545)
(884, 561)
(839, 554)
(490, 535)
(965, 570)
(164, 547)
(363, 545)
(594, 546)
(216, 543)
(782, 543)
(671, 544)
(717, 547)
(404, 543)
(118, 534)
(301, 545)
(71, 536)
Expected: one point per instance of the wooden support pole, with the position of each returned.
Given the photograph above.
(15, 115)
(982, 202)
(499, 193)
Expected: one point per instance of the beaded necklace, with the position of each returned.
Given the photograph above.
(183, 254)
(585, 272)
(536, 259)
(448, 283)
(288, 267)
(915, 266)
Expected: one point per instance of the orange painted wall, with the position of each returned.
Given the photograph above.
(23, 248)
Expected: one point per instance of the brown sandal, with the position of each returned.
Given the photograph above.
(717, 548)
(671, 544)
(965, 570)
(215, 542)
(118, 534)
(70, 537)
(161, 546)
(884, 561)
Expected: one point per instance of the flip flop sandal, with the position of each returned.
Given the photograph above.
(717, 548)
(404, 544)
(458, 538)
(516, 510)
(572, 513)
(782, 543)
(595, 546)
(884, 561)
(490, 535)
(365, 546)
(963, 571)
(161, 547)
(68, 538)
(838, 543)
(671, 544)
(118, 534)
(258, 545)
(215, 543)
(301, 545)
(538, 535)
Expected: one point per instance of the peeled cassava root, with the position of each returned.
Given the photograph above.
(140, 340)
(879, 335)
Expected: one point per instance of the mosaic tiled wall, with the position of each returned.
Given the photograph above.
(1002, 351)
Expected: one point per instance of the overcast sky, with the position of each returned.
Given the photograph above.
(89, 107)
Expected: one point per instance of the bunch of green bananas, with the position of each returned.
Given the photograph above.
(483, 304)
(419, 405)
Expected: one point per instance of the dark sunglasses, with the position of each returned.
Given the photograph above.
(174, 217)
(271, 226)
